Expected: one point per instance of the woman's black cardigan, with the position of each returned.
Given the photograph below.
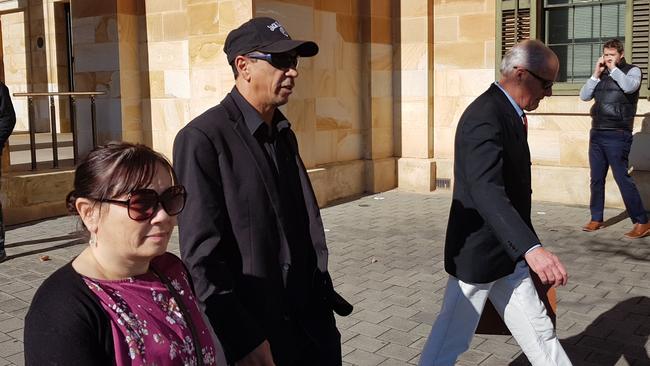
(66, 325)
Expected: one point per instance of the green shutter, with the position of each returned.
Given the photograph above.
(640, 37)
(515, 23)
(515, 27)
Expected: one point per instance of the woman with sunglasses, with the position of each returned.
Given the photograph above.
(124, 300)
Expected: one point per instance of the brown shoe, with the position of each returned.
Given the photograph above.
(639, 231)
(593, 226)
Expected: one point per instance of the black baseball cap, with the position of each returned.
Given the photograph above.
(264, 35)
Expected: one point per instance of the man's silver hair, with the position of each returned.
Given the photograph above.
(530, 54)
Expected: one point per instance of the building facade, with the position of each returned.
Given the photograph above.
(374, 110)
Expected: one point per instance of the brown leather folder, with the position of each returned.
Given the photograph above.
(491, 322)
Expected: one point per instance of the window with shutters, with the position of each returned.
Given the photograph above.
(576, 31)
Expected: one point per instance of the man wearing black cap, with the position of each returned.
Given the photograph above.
(251, 233)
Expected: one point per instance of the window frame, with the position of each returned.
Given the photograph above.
(536, 26)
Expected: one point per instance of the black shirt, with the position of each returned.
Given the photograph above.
(282, 158)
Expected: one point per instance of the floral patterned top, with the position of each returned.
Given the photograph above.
(148, 326)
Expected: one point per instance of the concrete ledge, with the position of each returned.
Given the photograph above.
(33, 196)
(381, 175)
(338, 180)
(571, 186)
(567, 185)
(416, 175)
(352, 178)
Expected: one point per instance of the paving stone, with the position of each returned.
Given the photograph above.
(368, 329)
(400, 311)
(398, 352)
(422, 330)
(398, 323)
(365, 343)
(386, 257)
(370, 316)
(495, 361)
(362, 358)
(13, 304)
(13, 287)
(374, 305)
(18, 359)
(25, 295)
(500, 349)
(473, 357)
(10, 347)
(345, 322)
(347, 335)
(11, 324)
(398, 337)
(345, 349)
(393, 362)
(17, 334)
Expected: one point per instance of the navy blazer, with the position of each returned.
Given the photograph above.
(489, 227)
(231, 231)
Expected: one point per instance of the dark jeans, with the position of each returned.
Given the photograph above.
(610, 148)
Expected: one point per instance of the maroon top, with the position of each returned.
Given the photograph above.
(148, 326)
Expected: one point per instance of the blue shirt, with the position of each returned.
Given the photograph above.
(520, 113)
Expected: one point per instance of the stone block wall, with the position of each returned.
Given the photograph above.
(414, 94)
(464, 33)
(107, 44)
(187, 69)
(339, 106)
(464, 63)
(14, 58)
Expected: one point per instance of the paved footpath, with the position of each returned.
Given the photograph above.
(387, 258)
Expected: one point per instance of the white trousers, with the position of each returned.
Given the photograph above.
(515, 299)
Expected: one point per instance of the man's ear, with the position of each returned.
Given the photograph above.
(242, 64)
(519, 74)
(89, 213)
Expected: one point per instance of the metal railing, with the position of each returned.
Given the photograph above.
(73, 112)
(570, 114)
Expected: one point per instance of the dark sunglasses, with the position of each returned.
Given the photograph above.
(546, 84)
(142, 204)
(280, 61)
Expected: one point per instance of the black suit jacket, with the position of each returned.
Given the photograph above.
(231, 232)
(489, 227)
(7, 115)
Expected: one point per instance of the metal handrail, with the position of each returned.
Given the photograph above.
(73, 112)
(47, 94)
(569, 114)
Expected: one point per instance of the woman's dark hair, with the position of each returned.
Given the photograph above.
(115, 169)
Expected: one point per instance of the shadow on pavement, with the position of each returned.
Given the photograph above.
(637, 249)
(44, 250)
(616, 219)
(620, 332)
(45, 240)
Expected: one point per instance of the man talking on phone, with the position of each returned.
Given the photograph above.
(614, 86)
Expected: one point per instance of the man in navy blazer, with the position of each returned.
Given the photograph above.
(251, 233)
(491, 245)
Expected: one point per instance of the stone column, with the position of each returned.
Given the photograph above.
(414, 95)
(377, 95)
(106, 46)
